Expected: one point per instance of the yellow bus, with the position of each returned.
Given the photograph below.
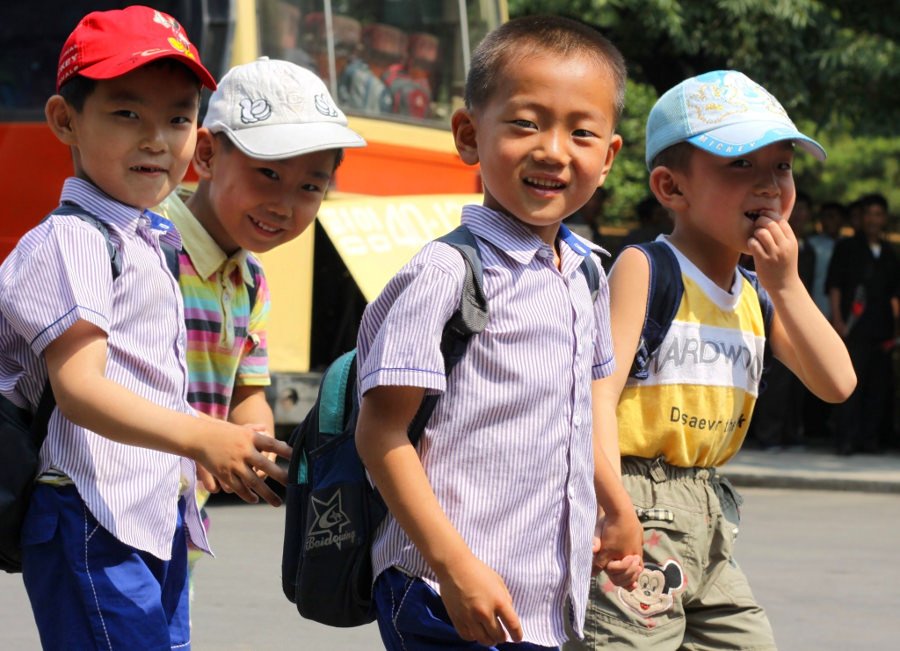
(396, 67)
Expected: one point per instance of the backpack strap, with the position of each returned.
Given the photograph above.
(663, 298)
(69, 208)
(768, 311)
(589, 268)
(470, 318)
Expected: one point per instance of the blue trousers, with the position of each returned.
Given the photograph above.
(412, 617)
(88, 590)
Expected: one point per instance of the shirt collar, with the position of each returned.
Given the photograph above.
(518, 242)
(206, 255)
(123, 218)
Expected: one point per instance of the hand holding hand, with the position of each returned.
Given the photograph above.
(618, 548)
(479, 604)
(233, 454)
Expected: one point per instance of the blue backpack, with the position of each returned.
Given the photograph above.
(666, 290)
(331, 509)
(22, 434)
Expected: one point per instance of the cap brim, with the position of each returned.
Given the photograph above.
(117, 66)
(278, 141)
(745, 137)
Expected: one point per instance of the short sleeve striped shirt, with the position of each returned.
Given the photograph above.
(226, 335)
(58, 274)
(508, 450)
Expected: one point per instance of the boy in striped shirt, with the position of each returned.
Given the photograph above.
(104, 542)
(489, 539)
(270, 143)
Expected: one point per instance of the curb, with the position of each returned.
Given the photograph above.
(742, 478)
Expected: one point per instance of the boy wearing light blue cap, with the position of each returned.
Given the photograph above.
(720, 150)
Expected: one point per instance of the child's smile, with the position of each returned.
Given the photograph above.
(545, 139)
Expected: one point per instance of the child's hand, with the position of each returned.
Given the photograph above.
(618, 547)
(233, 454)
(775, 251)
(271, 456)
(479, 604)
(206, 479)
(624, 573)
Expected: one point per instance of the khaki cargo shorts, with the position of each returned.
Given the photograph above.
(691, 594)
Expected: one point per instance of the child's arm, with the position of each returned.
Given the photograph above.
(76, 363)
(475, 596)
(621, 536)
(800, 335)
(249, 406)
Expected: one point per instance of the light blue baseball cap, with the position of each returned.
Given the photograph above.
(723, 112)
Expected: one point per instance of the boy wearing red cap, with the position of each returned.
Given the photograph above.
(104, 543)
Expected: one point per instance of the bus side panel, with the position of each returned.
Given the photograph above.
(35, 164)
(382, 169)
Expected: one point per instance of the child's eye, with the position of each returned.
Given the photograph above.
(181, 119)
(125, 113)
(785, 167)
(312, 187)
(740, 162)
(269, 173)
(583, 133)
(525, 124)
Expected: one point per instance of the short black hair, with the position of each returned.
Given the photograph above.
(675, 157)
(520, 37)
(78, 88)
(873, 199)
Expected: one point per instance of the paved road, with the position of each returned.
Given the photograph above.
(822, 563)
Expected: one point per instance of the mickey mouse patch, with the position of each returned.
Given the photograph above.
(655, 589)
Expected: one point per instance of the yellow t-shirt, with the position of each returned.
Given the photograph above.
(695, 406)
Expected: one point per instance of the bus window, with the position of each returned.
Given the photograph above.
(398, 59)
(32, 34)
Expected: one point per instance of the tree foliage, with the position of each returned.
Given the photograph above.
(833, 64)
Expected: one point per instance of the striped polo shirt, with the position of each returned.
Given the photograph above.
(508, 448)
(58, 274)
(226, 335)
(695, 405)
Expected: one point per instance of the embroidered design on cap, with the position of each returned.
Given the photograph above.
(324, 106)
(255, 110)
(713, 103)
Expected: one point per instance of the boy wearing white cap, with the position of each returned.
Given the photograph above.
(270, 143)
(720, 150)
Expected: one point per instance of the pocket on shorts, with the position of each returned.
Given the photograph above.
(41, 519)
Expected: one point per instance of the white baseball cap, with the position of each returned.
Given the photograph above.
(723, 112)
(273, 109)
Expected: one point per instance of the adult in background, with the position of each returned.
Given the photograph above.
(862, 283)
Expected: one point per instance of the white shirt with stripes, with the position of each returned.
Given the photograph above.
(508, 448)
(60, 273)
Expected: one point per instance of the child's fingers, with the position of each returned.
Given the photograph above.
(207, 480)
(510, 621)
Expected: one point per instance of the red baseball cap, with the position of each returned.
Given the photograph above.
(109, 44)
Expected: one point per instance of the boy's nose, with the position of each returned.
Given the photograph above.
(552, 148)
(767, 183)
(153, 139)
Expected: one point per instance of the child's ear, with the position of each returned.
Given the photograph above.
(464, 136)
(664, 184)
(204, 153)
(59, 113)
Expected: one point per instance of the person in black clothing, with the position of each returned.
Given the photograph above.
(863, 285)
